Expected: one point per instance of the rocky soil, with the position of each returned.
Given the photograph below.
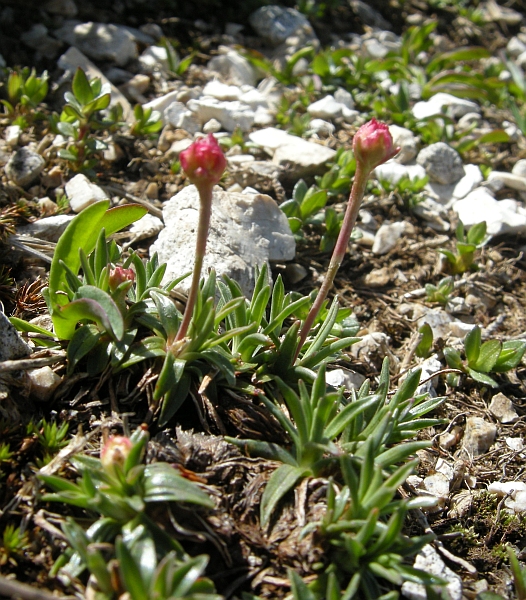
(275, 131)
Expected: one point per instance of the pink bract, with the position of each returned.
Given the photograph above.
(203, 161)
(373, 144)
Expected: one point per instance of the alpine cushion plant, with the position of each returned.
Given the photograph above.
(372, 146)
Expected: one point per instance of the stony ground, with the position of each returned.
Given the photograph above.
(383, 290)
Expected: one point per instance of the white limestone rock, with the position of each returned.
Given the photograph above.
(429, 560)
(446, 194)
(12, 346)
(231, 114)
(42, 383)
(275, 24)
(81, 193)
(222, 91)
(12, 135)
(297, 157)
(501, 216)
(439, 103)
(388, 235)
(479, 435)
(246, 230)
(48, 228)
(511, 180)
(406, 140)
(177, 115)
(392, 171)
(100, 41)
(442, 163)
(502, 409)
(233, 67)
(146, 227)
(24, 167)
(326, 108)
(154, 58)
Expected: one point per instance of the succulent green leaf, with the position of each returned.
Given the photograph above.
(472, 345)
(81, 87)
(510, 356)
(489, 354)
(162, 483)
(482, 378)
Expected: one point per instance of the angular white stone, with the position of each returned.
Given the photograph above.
(12, 346)
(515, 182)
(100, 41)
(442, 163)
(48, 228)
(43, 383)
(233, 67)
(146, 227)
(502, 409)
(230, 114)
(24, 167)
(296, 156)
(429, 560)
(501, 216)
(455, 107)
(81, 193)
(326, 108)
(344, 97)
(222, 91)
(154, 58)
(275, 24)
(388, 235)
(393, 171)
(246, 230)
(447, 194)
(479, 435)
(406, 140)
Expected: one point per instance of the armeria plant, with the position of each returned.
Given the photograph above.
(117, 490)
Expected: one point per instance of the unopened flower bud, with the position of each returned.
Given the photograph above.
(203, 161)
(114, 453)
(373, 145)
(119, 275)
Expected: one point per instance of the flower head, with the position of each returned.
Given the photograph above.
(373, 145)
(203, 161)
(119, 275)
(114, 453)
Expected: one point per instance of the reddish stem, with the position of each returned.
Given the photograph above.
(355, 199)
(205, 212)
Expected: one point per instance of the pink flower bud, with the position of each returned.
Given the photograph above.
(119, 275)
(114, 453)
(373, 145)
(203, 161)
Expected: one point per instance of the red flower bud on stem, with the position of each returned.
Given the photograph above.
(203, 161)
(204, 164)
(372, 146)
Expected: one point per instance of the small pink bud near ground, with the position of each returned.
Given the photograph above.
(372, 146)
(119, 275)
(114, 453)
(203, 161)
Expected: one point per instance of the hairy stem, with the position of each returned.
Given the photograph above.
(205, 212)
(355, 199)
